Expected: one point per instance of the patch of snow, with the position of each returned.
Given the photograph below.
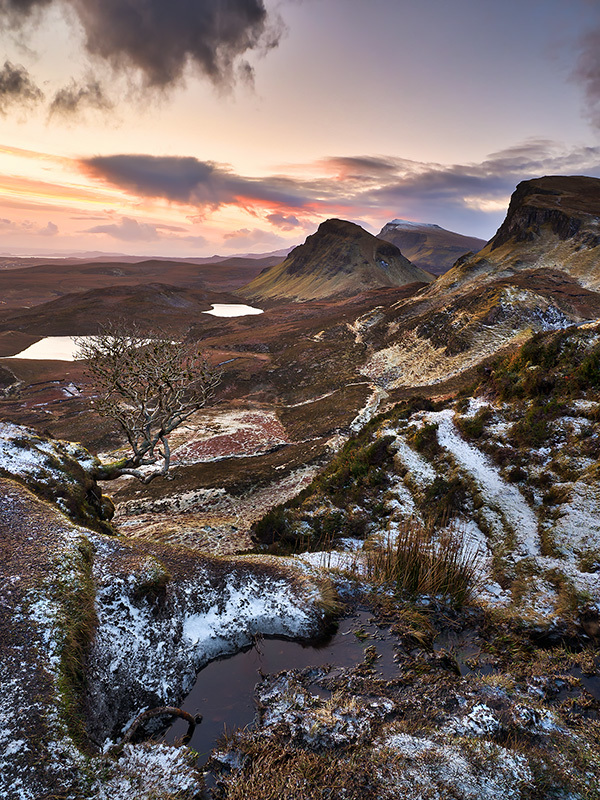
(369, 411)
(506, 497)
(480, 721)
(334, 560)
(364, 322)
(407, 224)
(153, 659)
(145, 771)
(25, 454)
(578, 527)
(419, 469)
(424, 768)
(401, 503)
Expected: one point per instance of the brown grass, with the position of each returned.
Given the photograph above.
(422, 561)
(276, 771)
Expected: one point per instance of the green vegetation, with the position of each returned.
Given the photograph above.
(340, 502)
(473, 427)
(425, 440)
(152, 582)
(549, 366)
(74, 590)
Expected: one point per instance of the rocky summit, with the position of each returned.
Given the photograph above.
(429, 246)
(340, 259)
(553, 223)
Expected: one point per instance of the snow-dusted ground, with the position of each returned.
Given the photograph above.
(370, 409)
(498, 493)
(432, 769)
(147, 652)
(147, 645)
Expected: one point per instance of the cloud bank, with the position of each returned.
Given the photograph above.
(468, 197)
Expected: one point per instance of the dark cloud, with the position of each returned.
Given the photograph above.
(17, 87)
(187, 180)
(72, 98)
(588, 73)
(158, 39)
(15, 12)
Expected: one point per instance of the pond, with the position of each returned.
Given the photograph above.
(224, 689)
(52, 348)
(232, 310)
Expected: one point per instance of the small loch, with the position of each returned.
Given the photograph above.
(232, 310)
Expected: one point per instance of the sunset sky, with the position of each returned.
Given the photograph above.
(170, 127)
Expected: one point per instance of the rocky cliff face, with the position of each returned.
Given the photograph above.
(552, 223)
(540, 272)
(428, 246)
(339, 259)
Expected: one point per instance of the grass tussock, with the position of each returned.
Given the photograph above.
(277, 771)
(423, 561)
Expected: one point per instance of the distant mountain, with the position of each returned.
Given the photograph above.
(429, 246)
(340, 259)
(552, 223)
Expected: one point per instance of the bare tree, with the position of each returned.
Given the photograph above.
(149, 385)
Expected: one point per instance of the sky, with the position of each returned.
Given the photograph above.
(197, 127)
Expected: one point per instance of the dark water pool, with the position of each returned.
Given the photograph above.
(224, 689)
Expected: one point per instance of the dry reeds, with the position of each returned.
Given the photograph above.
(418, 560)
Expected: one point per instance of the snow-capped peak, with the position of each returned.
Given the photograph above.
(406, 223)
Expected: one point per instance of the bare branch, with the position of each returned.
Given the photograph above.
(148, 385)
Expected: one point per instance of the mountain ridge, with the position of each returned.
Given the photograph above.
(427, 245)
(552, 222)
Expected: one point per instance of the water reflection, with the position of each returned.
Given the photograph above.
(232, 310)
(224, 689)
(52, 348)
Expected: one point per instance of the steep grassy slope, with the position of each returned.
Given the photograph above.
(339, 259)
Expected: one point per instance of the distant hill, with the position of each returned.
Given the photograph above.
(40, 283)
(340, 259)
(80, 313)
(429, 246)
